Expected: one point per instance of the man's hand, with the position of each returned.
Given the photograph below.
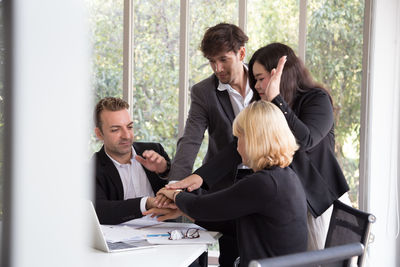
(164, 213)
(169, 193)
(152, 161)
(192, 182)
(150, 203)
(162, 201)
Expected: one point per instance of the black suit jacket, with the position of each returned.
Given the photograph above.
(210, 109)
(312, 123)
(111, 208)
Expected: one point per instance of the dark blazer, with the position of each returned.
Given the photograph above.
(269, 207)
(111, 208)
(312, 123)
(210, 109)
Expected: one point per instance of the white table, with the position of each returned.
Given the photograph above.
(161, 255)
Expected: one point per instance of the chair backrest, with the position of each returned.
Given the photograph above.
(335, 256)
(349, 225)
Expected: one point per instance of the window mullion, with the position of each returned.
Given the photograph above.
(302, 29)
(243, 15)
(127, 82)
(183, 66)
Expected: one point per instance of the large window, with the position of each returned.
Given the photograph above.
(106, 21)
(156, 72)
(333, 53)
(334, 57)
(268, 21)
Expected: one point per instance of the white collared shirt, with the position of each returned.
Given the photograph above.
(238, 102)
(134, 180)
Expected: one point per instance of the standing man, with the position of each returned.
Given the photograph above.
(215, 102)
(127, 173)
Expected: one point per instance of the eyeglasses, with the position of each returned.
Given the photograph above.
(189, 234)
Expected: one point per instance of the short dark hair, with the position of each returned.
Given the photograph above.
(110, 104)
(295, 76)
(223, 37)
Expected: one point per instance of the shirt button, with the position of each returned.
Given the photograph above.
(280, 104)
(285, 112)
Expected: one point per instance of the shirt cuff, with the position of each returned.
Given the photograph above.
(166, 172)
(143, 204)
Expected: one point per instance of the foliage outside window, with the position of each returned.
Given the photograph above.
(156, 72)
(106, 21)
(334, 57)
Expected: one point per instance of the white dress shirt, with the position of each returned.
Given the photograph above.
(134, 180)
(238, 102)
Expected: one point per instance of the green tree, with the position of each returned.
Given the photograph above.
(156, 72)
(334, 57)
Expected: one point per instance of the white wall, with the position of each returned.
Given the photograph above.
(384, 132)
(51, 110)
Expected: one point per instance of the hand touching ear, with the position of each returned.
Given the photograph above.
(273, 87)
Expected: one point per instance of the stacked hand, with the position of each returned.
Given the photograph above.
(164, 206)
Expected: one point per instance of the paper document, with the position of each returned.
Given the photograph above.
(145, 221)
(204, 238)
(155, 232)
(118, 233)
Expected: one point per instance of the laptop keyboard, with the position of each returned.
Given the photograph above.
(119, 245)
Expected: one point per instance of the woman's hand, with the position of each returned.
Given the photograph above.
(273, 86)
(164, 213)
(169, 193)
(192, 182)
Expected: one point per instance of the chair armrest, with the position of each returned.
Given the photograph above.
(327, 255)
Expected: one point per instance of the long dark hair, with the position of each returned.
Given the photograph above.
(295, 76)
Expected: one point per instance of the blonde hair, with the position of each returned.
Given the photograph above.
(267, 137)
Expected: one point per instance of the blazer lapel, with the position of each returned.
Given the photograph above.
(223, 97)
(111, 172)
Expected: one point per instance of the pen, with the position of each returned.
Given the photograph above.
(155, 235)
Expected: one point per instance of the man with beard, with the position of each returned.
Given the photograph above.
(128, 174)
(215, 102)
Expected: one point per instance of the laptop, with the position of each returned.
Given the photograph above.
(100, 243)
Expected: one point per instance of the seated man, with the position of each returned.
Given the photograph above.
(127, 173)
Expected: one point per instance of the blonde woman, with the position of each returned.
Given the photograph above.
(269, 206)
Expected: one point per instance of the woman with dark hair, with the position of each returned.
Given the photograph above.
(276, 74)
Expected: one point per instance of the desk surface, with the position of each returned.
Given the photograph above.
(161, 255)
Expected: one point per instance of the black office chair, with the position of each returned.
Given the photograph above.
(347, 225)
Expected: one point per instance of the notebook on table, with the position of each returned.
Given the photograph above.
(100, 243)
